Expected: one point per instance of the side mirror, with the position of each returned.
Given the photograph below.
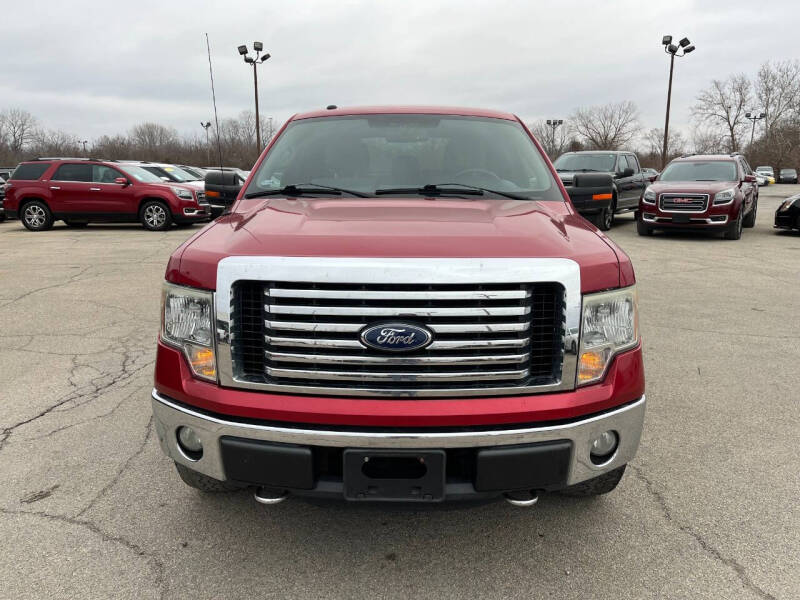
(750, 178)
(626, 172)
(121, 181)
(652, 178)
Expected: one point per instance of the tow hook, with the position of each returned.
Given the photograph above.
(265, 495)
(523, 498)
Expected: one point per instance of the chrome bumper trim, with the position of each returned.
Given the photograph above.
(627, 421)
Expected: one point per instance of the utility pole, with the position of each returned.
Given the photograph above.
(554, 124)
(685, 46)
(259, 59)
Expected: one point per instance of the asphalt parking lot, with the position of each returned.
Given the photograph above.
(90, 508)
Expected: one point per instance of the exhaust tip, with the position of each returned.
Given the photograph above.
(523, 498)
(264, 495)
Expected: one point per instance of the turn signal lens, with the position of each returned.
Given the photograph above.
(202, 361)
(592, 364)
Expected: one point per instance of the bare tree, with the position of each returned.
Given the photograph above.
(18, 127)
(654, 145)
(778, 92)
(724, 105)
(554, 141)
(708, 141)
(152, 137)
(607, 127)
(53, 143)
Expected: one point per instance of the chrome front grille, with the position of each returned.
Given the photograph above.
(686, 203)
(201, 197)
(290, 335)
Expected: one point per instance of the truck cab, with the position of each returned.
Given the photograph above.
(401, 305)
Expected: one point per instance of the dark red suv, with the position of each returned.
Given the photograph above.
(714, 192)
(78, 191)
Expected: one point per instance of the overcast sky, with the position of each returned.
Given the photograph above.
(92, 68)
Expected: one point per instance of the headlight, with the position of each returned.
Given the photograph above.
(610, 324)
(186, 322)
(182, 193)
(724, 197)
(788, 202)
(649, 196)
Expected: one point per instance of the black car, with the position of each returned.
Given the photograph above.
(787, 176)
(629, 182)
(788, 214)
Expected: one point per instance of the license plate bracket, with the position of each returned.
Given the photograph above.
(394, 475)
(681, 218)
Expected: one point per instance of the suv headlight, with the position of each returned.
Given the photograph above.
(649, 196)
(724, 197)
(187, 315)
(182, 193)
(609, 325)
(787, 203)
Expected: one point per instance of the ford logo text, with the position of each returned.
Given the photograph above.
(396, 337)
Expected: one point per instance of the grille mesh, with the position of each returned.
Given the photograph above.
(307, 334)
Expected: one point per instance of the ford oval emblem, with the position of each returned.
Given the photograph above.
(396, 337)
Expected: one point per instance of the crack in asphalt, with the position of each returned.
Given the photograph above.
(709, 549)
(148, 430)
(71, 279)
(157, 563)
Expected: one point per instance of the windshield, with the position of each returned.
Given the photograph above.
(197, 172)
(764, 169)
(788, 171)
(717, 170)
(385, 152)
(586, 162)
(140, 174)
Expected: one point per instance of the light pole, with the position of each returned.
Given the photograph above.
(255, 61)
(84, 142)
(554, 124)
(754, 117)
(206, 126)
(685, 47)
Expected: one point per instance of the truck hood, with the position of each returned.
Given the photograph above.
(402, 227)
(692, 187)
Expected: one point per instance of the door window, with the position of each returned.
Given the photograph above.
(633, 163)
(70, 172)
(104, 174)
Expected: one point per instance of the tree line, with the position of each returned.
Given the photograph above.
(22, 137)
(719, 122)
(719, 125)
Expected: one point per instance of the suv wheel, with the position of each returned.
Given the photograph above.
(642, 228)
(596, 486)
(750, 219)
(36, 216)
(155, 216)
(734, 232)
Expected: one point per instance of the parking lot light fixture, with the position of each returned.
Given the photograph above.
(254, 61)
(683, 48)
(753, 116)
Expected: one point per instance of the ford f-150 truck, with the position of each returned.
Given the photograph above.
(401, 305)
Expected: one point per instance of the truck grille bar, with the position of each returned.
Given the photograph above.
(685, 203)
(286, 335)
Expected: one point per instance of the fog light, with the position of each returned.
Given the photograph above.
(190, 443)
(603, 446)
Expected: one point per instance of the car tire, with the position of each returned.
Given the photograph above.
(734, 231)
(642, 228)
(76, 224)
(204, 483)
(603, 220)
(596, 486)
(155, 216)
(750, 219)
(36, 216)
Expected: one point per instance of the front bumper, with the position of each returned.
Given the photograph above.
(713, 218)
(789, 219)
(627, 421)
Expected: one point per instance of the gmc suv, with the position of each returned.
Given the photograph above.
(629, 182)
(78, 191)
(401, 305)
(716, 192)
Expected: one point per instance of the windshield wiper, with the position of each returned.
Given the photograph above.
(299, 189)
(440, 189)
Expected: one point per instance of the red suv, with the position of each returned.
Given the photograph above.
(78, 191)
(716, 192)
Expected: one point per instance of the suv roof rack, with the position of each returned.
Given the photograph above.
(68, 158)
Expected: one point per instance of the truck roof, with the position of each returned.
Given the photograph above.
(405, 110)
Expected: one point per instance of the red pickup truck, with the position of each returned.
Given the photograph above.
(402, 305)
